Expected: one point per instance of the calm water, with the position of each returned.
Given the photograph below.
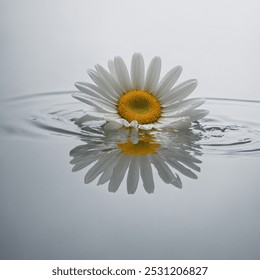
(203, 203)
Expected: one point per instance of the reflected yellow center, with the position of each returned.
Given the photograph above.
(140, 106)
(145, 146)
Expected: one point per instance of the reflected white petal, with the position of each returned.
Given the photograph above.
(103, 162)
(134, 135)
(133, 175)
(82, 163)
(112, 160)
(186, 159)
(118, 173)
(107, 174)
(147, 173)
(181, 168)
(165, 172)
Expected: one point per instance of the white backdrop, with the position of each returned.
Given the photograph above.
(47, 45)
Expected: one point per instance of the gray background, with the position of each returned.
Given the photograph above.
(48, 45)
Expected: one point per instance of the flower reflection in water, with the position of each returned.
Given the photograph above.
(112, 154)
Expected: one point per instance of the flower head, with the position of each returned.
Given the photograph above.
(139, 99)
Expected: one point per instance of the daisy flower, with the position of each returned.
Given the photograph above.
(112, 156)
(139, 99)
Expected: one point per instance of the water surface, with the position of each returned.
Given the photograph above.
(211, 210)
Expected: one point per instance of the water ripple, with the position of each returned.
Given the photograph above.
(232, 127)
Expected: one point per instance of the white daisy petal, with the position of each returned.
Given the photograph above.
(100, 91)
(181, 109)
(133, 124)
(125, 123)
(198, 114)
(112, 117)
(112, 69)
(83, 88)
(118, 173)
(157, 126)
(109, 78)
(153, 74)
(137, 71)
(112, 125)
(88, 118)
(133, 175)
(99, 104)
(139, 101)
(147, 173)
(122, 74)
(102, 83)
(175, 123)
(168, 81)
(146, 126)
(116, 122)
(180, 92)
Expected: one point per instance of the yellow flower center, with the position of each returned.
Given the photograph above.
(145, 146)
(140, 106)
